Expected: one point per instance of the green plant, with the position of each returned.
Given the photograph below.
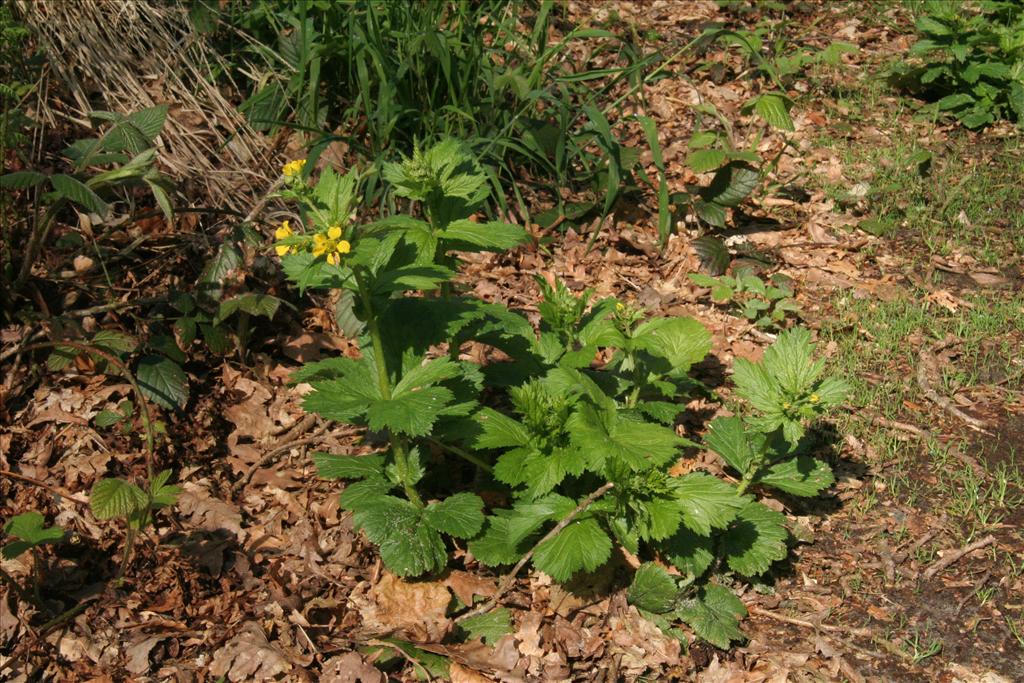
(30, 531)
(127, 147)
(764, 304)
(580, 450)
(969, 61)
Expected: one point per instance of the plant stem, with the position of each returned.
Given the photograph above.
(398, 445)
(465, 455)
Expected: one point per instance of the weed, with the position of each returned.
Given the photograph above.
(581, 450)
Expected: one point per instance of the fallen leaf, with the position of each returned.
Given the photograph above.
(414, 610)
(350, 668)
(249, 657)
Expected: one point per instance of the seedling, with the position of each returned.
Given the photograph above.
(767, 305)
(31, 533)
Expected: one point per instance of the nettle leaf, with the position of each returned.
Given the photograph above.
(707, 503)
(348, 466)
(714, 615)
(582, 545)
(251, 303)
(408, 545)
(800, 476)
(163, 381)
(30, 530)
(653, 589)
(111, 498)
(727, 436)
(460, 515)
(681, 341)
(688, 552)
(489, 626)
(465, 235)
(755, 539)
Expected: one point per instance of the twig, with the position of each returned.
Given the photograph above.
(43, 485)
(292, 439)
(903, 427)
(509, 579)
(927, 361)
(862, 632)
(946, 561)
(412, 660)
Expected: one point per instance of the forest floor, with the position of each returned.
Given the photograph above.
(910, 270)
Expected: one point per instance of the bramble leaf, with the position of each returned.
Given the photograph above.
(111, 498)
(163, 381)
(30, 530)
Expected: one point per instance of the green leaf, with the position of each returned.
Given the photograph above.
(707, 503)
(211, 282)
(582, 545)
(408, 546)
(115, 498)
(681, 341)
(149, 121)
(30, 529)
(703, 160)
(161, 493)
(465, 235)
(495, 547)
(499, 430)
(688, 552)
(251, 303)
(75, 191)
(162, 381)
(460, 515)
(489, 626)
(774, 109)
(425, 374)
(639, 445)
(954, 101)
(106, 418)
(348, 466)
(732, 184)
(755, 540)
(714, 255)
(653, 589)
(412, 412)
(21, 179)
(714, 615)
(114, 342)
(727, 436)
(800, 476)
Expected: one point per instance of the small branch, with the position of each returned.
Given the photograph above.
(861, 632)
(946, 561)
(928, 362)
(506, 581)
(43, 485)
(292, 439)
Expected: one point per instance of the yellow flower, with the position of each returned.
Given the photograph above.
(281, 233)
(330, 245)
(620, 308)
(815, 398)
(293, 168)
(785, 405)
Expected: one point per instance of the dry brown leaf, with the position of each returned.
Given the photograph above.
(137, 656)
(414, 610)
(466, 585)
(350, 668)
(249, 657)
(463, 674)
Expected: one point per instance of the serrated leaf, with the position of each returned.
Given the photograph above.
(412, 412)
(76, 191)
(707, 503)
(31, 530)
(460, 515)
(714, 615)
(115, 498)
(688, 552)
(714, 255)
(639, 445)
(703, 160)
(465, 235)
(106, 418)
(114, 342)
(162, 381)
(495, 547)
(408, 546)
(425, 374)
(216, 271)
(653, 589)
(727, 436)
(499, 430)
(681, 341)
(582, 545)
(755, 540)
(774, 109)
(252, 303)
(330, 466)
(800, 476)
(364, 493)
(489, 626)
(19, 180)
(732, 184)
(345, 315)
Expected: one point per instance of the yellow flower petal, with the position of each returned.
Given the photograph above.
(344, 247)
(282, 250)
(333, 259)
(284, 231)
(293, 168)
(334, 232)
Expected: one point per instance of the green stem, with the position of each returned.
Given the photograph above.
(398, 445)
(465, 455)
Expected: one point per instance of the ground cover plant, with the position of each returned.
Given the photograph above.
(384, 395)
